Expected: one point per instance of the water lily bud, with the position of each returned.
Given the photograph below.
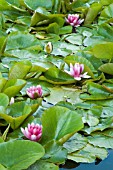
(73, 19)
(76, 71)
(34, 92)
(48, 47)
(33, 132)
(12, 100)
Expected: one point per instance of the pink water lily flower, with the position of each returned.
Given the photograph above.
(76, 71)
(33, 132)
(34, 92)
(73, 19)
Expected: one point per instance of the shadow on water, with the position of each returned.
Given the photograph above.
(106, 164)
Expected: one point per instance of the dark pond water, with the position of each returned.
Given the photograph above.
(107, 164)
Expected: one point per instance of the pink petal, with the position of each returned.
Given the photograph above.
(32, 124)
(39, 136)
(81, 68)
(33, 137)
(85, 75)
(27, 133)
(35, 131)
(23, 131)
(29, 126)
(67, 20)
(77, 78)
(80, 21)
(76, 70)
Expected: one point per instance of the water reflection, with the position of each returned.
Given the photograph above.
(70, 165)
(107, 164)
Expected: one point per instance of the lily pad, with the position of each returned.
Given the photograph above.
(25, 153)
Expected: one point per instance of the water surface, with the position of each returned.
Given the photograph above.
(106, 164)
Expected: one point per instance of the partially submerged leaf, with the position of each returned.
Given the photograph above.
(101, 140)
(75, 143)
(42, 165)
(88, 154)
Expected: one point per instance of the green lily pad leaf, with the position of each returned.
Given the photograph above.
(66, 104)
(85, 157)
(53, 28)
(16, 114)
(97, 92)
(13, 2)
(24, 54)
(92, 13)
(55, 153)
(42, 165)
(65, 30)
(2, 44)
(19, 70)
(24, 154)
(74, 39)
(5, 5)
(103, 50)
(107, 12)
(25, 20)
(57, 18)
(3, 68)
(63, 94)
(96, 62)
(88, 154)
(104, 124)
(87, 33)
(83, 105)
(2, 83)
(35, 103)
(2, 167)
(94, 88)
(108, 86)
(96, 111)
(107, 112)
(48, 37)
(107, 68)
(91, 120)
(4, 136)
(91, 41)
(35, 4)
(101, 140)
(57, 76)
(1, 140)
(17, 132)
(106, 30)
(63, 49)
(13, 87)
(108, 132)
(40, 15)
(20, 40)
(43, 17)
(104, 2)
(4, 100)
(55, 127)
(100, 97)
(75, 143)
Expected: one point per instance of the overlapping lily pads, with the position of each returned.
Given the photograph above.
(76, 116)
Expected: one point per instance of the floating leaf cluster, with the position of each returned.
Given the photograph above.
(37, 46)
